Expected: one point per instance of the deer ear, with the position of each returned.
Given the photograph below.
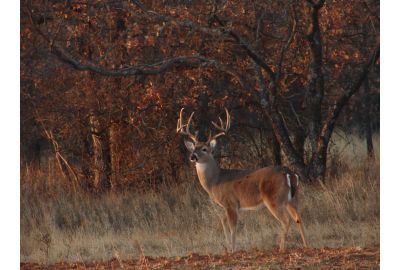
(189, 145)
(213, 144)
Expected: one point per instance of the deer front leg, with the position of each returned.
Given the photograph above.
(231, 214)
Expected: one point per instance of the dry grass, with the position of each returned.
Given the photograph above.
(179, 220)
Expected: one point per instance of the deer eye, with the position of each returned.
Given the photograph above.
(204, 149)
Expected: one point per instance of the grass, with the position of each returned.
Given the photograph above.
(77, 227)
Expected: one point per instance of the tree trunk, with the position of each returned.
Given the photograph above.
(315, 92)
(317, 167)
(299, 141)
(366, 103)
(276, 151)
(115, 153)
(98, 166)
(283, 139)
(368, 134)
(203, 117)
(66, 169)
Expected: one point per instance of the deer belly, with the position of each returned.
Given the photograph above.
(253, 207)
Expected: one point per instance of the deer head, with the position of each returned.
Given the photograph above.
(201, 152)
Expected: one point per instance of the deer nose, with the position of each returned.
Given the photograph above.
(193, 157)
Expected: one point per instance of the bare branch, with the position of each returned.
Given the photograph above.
(215, 31)
(189, 61)
(251, 52)
(319, 4)
(344, 99)
(289, 40)
(182, 23)
(143, 69)
(140, 5)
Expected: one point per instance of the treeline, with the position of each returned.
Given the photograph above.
(102, 83)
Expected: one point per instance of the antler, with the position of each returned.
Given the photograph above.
(184, 129)
(221, 127)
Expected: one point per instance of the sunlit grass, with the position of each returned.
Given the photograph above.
(61, 226)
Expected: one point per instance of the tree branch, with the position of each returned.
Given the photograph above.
(289, 40)
(327, 129)
(189, 61)
(317, 5)
(212, 31)
(249, 50)
(277, 122)
(143, 69)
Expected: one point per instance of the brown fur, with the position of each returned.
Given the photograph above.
(240, 189)
(233, 190)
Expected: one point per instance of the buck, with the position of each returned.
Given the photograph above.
(274, 187)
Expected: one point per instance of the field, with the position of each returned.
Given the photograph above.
(326, 258)
(178, 227)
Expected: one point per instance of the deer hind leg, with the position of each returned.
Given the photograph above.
(285, 222)
(231, 215)
(224, 228)
(296, 217)
(281, 215)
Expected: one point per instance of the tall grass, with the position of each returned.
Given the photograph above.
(61, 226)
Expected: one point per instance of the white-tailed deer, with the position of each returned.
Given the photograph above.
(274, 187)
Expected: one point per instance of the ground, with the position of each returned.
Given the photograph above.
(310, 258)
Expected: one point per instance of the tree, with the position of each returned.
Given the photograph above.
(296, 64)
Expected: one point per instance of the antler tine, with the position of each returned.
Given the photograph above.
(179, 123)
(216, 125)
(221, 122)
(180, 127)
(188, 123)
(222, 127)
(228, 119)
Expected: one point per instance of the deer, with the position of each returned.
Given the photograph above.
(273, 187)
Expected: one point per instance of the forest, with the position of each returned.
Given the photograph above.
(102, 82)
(102, 85)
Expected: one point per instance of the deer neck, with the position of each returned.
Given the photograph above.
(208, 174)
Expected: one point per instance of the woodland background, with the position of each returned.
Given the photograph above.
(102, 83)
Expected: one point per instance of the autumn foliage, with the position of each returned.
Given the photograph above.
(102, 83)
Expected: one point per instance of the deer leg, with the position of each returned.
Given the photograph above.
(285, 222)
(281, 215)
(296, 217)
(231, 214)
(223, 222)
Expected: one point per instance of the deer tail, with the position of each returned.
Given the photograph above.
(293, 183)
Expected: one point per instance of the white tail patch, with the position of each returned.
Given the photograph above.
(290, 190)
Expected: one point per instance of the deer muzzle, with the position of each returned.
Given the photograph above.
(193, 158)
